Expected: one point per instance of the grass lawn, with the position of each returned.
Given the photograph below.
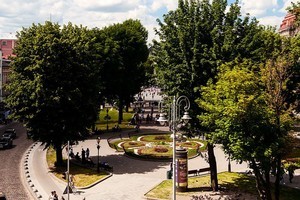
(228, 182)
(101, 123)
(83, 176)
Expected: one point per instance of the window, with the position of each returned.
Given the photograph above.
(4, 43)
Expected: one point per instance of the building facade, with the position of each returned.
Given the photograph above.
(7, 46)
(6, 52)
(287, 27)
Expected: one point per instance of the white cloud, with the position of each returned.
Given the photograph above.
(108, 5)
(16, 14)
(258, 7)
(271, 21)
(169, 4)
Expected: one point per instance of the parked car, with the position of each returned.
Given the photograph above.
(11, 131)
(6, 143)
(7, 136)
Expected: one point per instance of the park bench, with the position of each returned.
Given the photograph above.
(197, 172)
(193, 172)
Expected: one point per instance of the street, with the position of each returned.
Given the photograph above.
(10, 177)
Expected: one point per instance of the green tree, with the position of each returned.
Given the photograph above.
(276, 75)
(52, 87)
(125, 70)
(232, 105)
(194, 40)
(248, 114)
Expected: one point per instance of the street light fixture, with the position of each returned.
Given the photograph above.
(175, 121)
(162, 117)
(98, 148)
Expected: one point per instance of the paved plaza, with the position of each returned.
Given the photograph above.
(131, 178)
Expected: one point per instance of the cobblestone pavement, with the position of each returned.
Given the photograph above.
(11, 182)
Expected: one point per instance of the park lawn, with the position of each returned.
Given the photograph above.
(237, 182)
(83, 176)
(101, 123)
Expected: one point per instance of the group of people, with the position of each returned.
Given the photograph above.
(290, 171)
(85, 155)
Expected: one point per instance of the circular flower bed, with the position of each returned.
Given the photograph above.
(158, 146)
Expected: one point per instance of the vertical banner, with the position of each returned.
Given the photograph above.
(181, 170)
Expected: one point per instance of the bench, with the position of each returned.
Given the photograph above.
(203, 170)
(196, 172)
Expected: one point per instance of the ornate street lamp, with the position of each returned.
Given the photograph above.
(177, 104)
(98, 148)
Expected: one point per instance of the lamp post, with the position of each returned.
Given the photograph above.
(175, 120)
(229, 164)
(98, 148)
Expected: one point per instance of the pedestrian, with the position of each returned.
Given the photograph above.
(82, 156)
(55, 197)
(71, 153)
(72, 179)
(87, 153)
(291, 171)
(51, 197)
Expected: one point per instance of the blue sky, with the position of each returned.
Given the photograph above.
(16, 14)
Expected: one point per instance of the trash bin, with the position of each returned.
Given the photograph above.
(169, 174)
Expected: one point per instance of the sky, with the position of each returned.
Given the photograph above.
(16, 14)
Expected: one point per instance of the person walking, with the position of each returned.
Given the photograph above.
(72, 179)
(51, 197)
(87, 153)
(291, 171)
(55, 196)
(82, 156)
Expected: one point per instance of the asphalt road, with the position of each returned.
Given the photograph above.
(10, 176)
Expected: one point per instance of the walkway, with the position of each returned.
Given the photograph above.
(132, 178)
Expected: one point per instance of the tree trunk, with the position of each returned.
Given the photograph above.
(120, 111)
(268, 184)
(127, 106)
(59, 158)
(263, 186)
(278, 160)
(278, 177)
(213, 167)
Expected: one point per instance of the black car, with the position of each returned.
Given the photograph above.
(11, 132)
(6, 143)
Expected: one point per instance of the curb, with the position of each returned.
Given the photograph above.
(25, 172)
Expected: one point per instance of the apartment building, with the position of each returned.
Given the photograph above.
(287, 27)
(7, 46)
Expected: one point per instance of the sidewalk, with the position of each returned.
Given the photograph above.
(131, 179)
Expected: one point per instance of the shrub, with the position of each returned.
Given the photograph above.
(132, 143)
(160, 149)
(160, 137)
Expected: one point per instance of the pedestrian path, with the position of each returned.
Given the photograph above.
(131, 179)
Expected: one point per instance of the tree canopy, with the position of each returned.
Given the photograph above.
(53, 86)
(124, 71)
